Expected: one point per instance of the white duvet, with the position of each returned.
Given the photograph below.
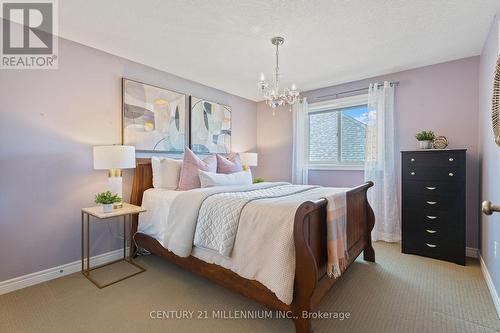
(263, 249)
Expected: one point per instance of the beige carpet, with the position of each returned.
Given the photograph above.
(400, 293)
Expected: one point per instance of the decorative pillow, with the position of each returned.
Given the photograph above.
(230, 164)
(190, 166)
(210, 179)
(166, 172)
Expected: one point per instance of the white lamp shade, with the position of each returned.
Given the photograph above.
(249, 159)
(114, 157)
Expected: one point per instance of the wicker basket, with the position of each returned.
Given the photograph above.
(440, 142)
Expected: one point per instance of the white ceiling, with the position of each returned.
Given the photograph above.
(225, 44)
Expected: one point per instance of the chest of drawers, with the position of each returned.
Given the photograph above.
(433, 204)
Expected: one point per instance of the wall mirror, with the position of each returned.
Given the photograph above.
(495, 109)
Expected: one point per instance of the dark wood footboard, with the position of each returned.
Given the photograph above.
(311, 281)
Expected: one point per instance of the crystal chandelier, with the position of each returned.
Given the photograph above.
(273, 95)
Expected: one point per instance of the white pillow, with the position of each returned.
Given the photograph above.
(166, 172)
(210, 179)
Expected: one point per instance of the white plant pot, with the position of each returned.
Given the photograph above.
(107, 208)
(425, 144)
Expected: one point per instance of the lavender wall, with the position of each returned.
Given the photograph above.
(274, 143)
(49, 121)
(489, 155)
(442, 98)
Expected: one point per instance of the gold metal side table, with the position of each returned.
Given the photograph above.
(127, 210)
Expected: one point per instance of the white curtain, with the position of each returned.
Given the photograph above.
(380, 165)
(300, 159)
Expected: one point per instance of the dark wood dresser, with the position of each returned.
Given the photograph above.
(433, 203)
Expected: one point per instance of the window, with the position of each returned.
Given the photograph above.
(337, 133)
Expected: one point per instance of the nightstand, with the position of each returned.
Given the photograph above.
(127, 210)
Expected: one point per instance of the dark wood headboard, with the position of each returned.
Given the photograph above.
(143, 179)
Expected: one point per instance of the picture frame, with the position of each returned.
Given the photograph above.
(210, 126)
(154, 119)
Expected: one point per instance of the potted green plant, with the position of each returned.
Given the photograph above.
(258, 180)
(425, 139)
(107, 199)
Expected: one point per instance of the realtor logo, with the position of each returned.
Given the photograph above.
(29, 35)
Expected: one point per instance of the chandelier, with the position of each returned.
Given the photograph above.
(273, 96)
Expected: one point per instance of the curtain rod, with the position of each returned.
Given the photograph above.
(392, 83)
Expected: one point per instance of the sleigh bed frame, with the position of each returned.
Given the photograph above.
(311, 281)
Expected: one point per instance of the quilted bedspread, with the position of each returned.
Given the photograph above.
(263, 245)
(219, 215)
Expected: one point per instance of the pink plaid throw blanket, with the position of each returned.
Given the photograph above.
(336, 218)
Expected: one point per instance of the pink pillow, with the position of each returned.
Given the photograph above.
(231, 164)
(189, 172)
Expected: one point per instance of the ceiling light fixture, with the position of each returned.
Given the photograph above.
(272, 95)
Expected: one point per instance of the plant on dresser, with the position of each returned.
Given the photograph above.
(433, 204)
(425, 139)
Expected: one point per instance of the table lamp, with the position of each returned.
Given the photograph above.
(114, 158)
(248, 160)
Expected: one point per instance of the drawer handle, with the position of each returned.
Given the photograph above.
(450, 174)
(412, 173)
(431, 245)
(431, 202)
(430, 217)
(451, 159)
(431, 231)
(432, 188)
(413, 160)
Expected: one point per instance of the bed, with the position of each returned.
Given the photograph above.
(308, 239)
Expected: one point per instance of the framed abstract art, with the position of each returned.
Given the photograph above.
(210, 128)
(154, 118)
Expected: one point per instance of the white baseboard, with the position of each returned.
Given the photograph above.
(75, 266)
(471, 252)
(56, 272)
(491, 286)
